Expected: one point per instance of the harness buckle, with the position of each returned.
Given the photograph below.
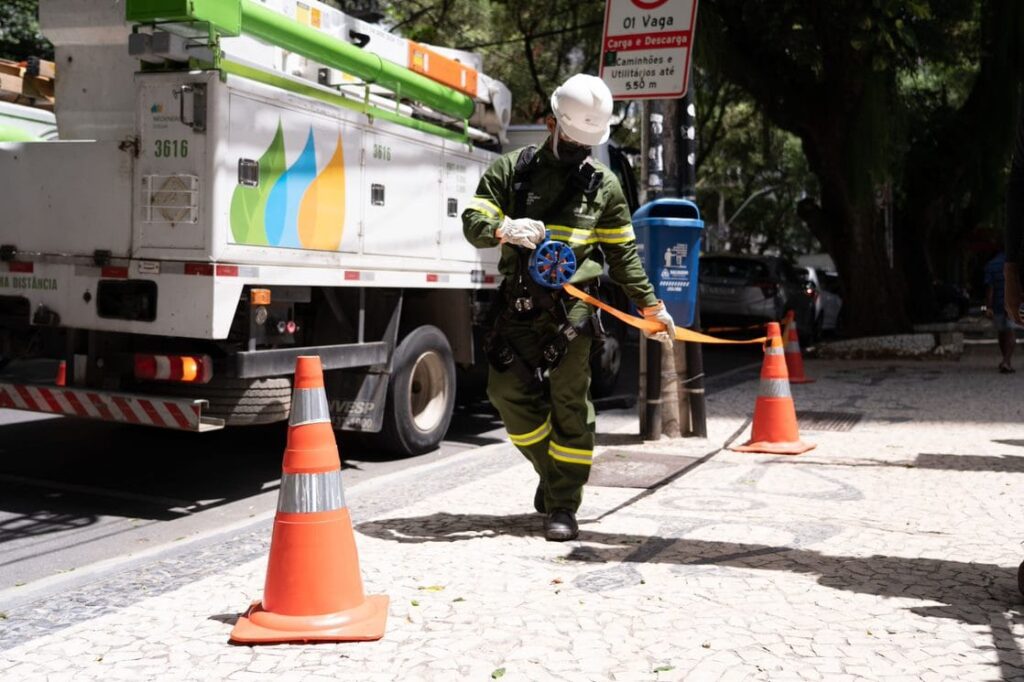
(553, 353)
(523, 304)
(499, 352)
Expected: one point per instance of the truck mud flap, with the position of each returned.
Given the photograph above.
(170, 413)
(357, 399)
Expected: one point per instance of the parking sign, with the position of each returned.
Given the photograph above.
(645, 53)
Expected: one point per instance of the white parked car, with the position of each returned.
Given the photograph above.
(827, 302)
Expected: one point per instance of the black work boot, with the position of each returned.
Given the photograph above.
(538, 499)
(560, 525)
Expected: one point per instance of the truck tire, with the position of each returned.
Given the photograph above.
(421, 393)
(239, 402)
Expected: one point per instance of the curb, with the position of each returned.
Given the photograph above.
(13, 597)
(923, 345)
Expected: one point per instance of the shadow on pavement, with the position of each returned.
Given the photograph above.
(62, 474)
(971, 593)
(619, 439)
(925, 460)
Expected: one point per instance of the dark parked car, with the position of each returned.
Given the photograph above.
(740, 290)
(828, 304)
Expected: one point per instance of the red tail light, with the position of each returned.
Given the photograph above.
(188, 369)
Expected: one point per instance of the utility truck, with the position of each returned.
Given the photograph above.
(237, 183)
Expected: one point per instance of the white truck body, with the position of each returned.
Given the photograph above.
(178, 198)
(180, 202)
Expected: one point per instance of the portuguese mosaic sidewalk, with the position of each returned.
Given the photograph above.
(890, 552)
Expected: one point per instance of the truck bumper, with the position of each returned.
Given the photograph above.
(182, 414)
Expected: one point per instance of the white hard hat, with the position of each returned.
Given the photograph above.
(583, 106)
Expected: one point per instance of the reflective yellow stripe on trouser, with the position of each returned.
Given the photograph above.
(533, 437)
(534, 416)
(569, 455)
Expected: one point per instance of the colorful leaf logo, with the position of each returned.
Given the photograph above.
(248, 204)
(322, 214)
(293, 207)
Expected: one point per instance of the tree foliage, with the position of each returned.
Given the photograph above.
(841, 76)
(750, 174)
(877, 130)
(530, 46)
(19, 31)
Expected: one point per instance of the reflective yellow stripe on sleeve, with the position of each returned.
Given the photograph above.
(571, 455)
(572, 235)
(615, 235)
(533, 437)
(486, 206)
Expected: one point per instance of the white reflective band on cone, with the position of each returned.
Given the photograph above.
(774, 388)
(309, 406)
(304, 493)
(771, 350)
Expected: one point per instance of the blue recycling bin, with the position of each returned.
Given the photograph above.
(668, 233)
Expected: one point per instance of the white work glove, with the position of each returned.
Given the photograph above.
(658, 313)
(524, 232)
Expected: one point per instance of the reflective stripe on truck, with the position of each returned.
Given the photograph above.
(171, 413)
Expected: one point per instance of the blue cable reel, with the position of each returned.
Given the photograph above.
(552, 263)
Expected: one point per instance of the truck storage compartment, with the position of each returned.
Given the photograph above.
(70, 198)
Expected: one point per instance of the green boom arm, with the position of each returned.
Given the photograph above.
(234, 17)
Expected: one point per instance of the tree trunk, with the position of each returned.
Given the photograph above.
(850, 227)
(953, 178)
(672, 146)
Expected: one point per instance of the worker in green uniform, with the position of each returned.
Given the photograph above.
(540, 344)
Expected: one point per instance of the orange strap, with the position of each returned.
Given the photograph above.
(651, 326)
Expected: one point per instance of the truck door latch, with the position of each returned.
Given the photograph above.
(198, 92)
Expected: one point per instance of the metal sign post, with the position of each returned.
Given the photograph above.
(645, 54)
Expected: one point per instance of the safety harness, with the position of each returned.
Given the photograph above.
(526, 299)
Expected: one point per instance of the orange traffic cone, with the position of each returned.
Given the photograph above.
(774, 430)
(794, 360)
(314, 590)
(62, 374)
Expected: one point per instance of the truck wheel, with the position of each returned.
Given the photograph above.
(239, 402)
(421, 393)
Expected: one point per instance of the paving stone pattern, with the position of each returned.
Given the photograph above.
(888, 553)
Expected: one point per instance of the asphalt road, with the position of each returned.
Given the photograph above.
(74, 492)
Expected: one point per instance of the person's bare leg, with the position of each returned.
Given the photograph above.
(1007, 343)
